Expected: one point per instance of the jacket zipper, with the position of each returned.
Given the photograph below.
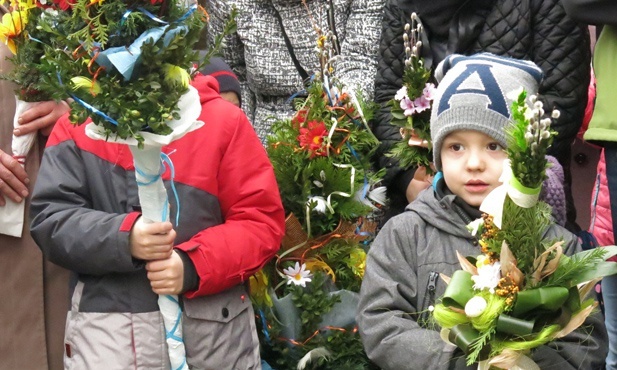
(429, 299)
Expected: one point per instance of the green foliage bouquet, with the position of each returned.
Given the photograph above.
(127, 64)
(26, 30)
(523, 291)
(306, 298)
(411, 106)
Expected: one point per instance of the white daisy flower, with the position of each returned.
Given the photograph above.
(298, 275)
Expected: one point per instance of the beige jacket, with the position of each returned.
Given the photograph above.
(33, 292)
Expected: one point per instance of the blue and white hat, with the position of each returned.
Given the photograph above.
(473, 95)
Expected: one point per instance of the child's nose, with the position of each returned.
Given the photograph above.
(475, 162)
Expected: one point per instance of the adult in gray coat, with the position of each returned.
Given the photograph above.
(273, 49)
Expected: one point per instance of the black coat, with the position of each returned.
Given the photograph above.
(536, 30)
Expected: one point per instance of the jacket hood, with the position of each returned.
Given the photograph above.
(207, 87)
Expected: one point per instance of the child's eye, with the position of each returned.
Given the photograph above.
(456, 147)
(494, 147)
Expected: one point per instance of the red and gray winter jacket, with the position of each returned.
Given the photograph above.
(231, 222)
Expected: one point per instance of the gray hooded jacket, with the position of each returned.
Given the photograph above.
(402, 281)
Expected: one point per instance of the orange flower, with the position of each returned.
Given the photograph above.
(312, 138)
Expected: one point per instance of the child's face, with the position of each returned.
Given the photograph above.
(472, 163)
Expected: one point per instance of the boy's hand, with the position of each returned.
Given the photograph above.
(166, 276)
(153, 241)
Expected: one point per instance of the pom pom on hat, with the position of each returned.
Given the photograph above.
(553, 192)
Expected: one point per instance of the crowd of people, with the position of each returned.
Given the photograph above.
(84, 215)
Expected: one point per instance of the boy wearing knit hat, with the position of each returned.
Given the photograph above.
(229, 86)
(401, 283)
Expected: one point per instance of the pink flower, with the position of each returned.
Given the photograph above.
(408, 106)
(428, 91)
(401, 94)
(421, 104)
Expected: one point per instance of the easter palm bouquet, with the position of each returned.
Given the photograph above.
(26, 30)
(411, 106)
(306, 298)
(523, 291)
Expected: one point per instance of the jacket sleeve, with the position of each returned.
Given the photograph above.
(232, 50)
(592, 11)
(387, 313)
(561, 49)
(64, 224)
(388, 80)
(227, 254)
(359, 48)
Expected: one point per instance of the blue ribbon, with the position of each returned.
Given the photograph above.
(172, 333)
(150, 179)
(172, 170)
(264, 325)
(125, 59)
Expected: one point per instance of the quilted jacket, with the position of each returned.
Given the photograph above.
(537, 30)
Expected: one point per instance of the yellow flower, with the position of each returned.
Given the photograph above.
(357, 261)
(321, 41)
(23, 4)
(10, 28)
(314, 264)
(482, 260)
(176, 75)
(258, 288)
(81, 82)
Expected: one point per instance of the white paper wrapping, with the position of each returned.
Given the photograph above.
(12, 214)
(494, 201)
(154, 203)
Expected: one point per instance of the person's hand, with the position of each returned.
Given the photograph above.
(152, 241)
(13, 179)
(421, 180)
(41, 117)
(166, 276)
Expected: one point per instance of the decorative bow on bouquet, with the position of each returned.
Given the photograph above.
(306, 298)
(127, 65)
(26, 28)
(411, 106)
(522, 291)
